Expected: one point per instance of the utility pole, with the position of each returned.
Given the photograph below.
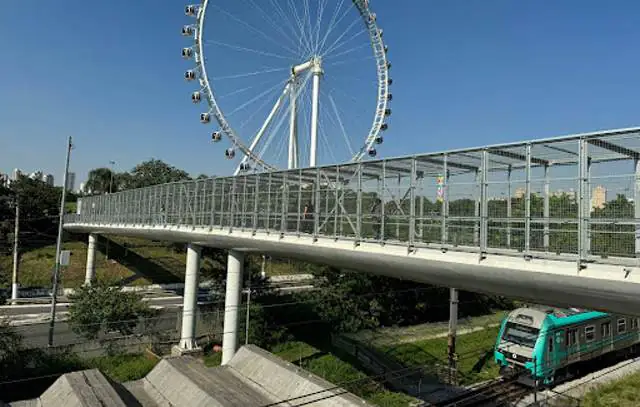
(56, 270)
(453, 328)
(16, 254)
(111, 164)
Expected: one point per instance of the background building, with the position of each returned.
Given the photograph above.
(598, 197)
(71, 181)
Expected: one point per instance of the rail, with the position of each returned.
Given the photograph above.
(571, 198)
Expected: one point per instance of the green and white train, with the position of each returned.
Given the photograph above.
(543, 346)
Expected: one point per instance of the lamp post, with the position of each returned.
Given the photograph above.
(111, 164)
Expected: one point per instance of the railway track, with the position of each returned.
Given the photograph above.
(498, 393)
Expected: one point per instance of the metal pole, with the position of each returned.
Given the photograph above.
(453, 328)
(246, 327)
(16, 254)
(56, 271)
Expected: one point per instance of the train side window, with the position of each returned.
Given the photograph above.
(634, 323)
(622, 325)
(605, 329)
(590, 333)
(571, 337)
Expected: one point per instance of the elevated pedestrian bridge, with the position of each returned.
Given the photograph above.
(553, 221)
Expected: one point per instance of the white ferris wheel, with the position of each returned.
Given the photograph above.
(281, 77)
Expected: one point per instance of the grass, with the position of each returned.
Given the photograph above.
(36, 267)
(131, 260)
(409, 334)
(123, 368)
(621, 393)
(475, 354)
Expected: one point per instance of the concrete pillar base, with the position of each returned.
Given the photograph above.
(178, 350)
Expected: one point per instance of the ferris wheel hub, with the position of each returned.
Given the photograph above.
(314, 64)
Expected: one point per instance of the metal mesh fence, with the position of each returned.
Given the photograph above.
(573, 196)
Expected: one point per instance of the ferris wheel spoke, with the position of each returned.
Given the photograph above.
(299, 24)
(290, 25)
(334, 22)
(348, 61)
(254, 73)
(348, 51)
(333, 52)
(273, 23)
(331, 47)
(254, 99)
(324, 137)
(245, 49)
(342, 129)
(252, 28)
(321, 8)
(307, 23)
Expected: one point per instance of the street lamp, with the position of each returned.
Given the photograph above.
(111, 163)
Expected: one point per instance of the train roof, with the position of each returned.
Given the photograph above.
(569, 316)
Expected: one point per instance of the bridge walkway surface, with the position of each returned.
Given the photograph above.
(553, 221)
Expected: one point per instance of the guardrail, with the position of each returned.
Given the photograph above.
(572, 198)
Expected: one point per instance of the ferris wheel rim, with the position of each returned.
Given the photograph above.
(382, 67)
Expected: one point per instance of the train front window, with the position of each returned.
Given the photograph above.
(520, 334)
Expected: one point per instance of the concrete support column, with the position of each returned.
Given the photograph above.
(190, 302)
(636, 204)
(235, 265)
(90, 274)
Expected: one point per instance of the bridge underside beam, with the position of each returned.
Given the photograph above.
(598, 286)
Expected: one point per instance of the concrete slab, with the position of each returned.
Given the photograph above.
(286, 381)
(185, 381)
(253, 378)
(24, 403)
(86, 388)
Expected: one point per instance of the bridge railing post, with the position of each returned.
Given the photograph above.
(527, 201)
(484, 203)
(359, 203)
(584, 203)
(412, 204)
(316, 205)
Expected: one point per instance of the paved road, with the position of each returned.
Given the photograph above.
(166, 300)
(36, 334)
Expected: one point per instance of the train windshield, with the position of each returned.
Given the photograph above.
(520, 334)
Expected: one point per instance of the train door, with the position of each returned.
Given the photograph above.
(571, 346)
(550, 363)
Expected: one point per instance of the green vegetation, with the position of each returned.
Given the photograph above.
(123, 368)
(99, 308)
(26, 373)
(36, 267)
(414, 333)
(475, 354)
(621, 393)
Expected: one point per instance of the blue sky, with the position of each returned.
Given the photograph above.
(465, 73)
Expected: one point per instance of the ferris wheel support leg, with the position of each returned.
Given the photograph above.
(264, 127)
(292, 162)
(314, 118)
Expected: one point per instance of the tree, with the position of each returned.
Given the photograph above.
(154, 172)
(101, 180)
(99, 309)
(10, 347)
